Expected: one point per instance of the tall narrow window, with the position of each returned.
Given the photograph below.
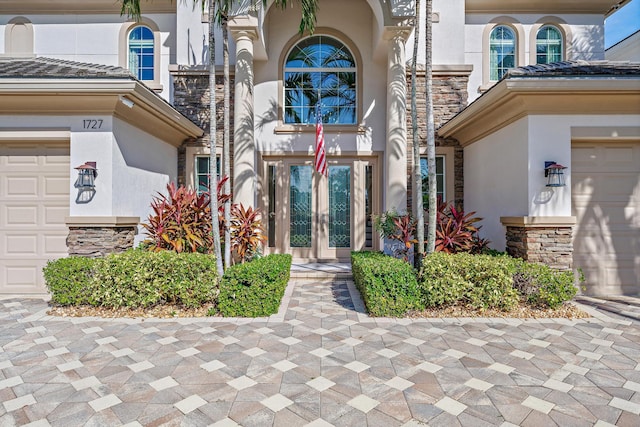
(502, 51)
(202, 173)
(440, 180)
(272, 205)
(368, 206)
(141, 52)
(320, 69)
(548, 45)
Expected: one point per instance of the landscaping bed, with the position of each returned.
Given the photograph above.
(166, 284)
(463, 285)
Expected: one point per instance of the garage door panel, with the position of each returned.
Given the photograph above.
(34, 201)
(56, 186)
(26, 187)
(21, 245)
(606, 202)
(20, 215)
(54, 244)
(55, 215)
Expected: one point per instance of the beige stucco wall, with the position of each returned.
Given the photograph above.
(355, 20)
(504, 172)
(495, 179)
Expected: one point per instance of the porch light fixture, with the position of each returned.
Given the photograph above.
(86, 176)
(554, 172)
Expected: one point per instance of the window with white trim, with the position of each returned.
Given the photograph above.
(141, 50)
(549, 45)
(202, 172)
(502, 51)
(320, 69)
(440, 180)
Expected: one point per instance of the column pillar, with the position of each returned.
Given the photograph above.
(244, 147)
(396, 147)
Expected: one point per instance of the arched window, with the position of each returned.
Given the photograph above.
(320, 70)
(548, 45)
(502, 47)
(141, 52)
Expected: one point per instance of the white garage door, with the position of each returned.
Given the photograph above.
(34, 200)
(606, 201)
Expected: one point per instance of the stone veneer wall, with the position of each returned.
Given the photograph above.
(546, 245)
(95, 242)
(449, 98)
(191, 98)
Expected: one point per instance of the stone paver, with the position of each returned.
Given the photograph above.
(321, 361)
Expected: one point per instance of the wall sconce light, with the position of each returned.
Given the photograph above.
(554, 172)
(85, 183)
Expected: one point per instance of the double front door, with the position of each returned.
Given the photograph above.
(320, 218)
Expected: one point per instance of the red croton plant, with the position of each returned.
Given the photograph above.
(456, 231)
(181, 222)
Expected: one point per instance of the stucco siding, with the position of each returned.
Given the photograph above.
(95, 39)
(353, 19)
(142, 166)
(496, 178)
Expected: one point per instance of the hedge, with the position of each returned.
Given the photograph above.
(134, 278)
(388, 285)
(486, 281)
(255, 289)
(480, 281)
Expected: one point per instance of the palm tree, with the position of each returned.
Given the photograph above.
(431, 138)
(309, 9)
(418, 207)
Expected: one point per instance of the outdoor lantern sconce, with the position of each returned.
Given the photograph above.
(554, 172)
(85, 183)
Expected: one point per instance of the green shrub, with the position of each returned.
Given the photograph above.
(481, 281)
(134, 278)
(543, 286)
(255, 288)
(388, 285)
(491, 281)
(69, 280)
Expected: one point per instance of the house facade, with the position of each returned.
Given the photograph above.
(498, 125)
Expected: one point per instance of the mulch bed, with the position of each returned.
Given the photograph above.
(523, 311)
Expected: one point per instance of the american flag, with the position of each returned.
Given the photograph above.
(320, 160)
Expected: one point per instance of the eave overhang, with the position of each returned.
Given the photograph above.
(515, 98)
(600, 7)
(149, 112)
(81, 7)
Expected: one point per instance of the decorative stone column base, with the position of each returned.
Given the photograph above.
(544, 240)
(94, 237)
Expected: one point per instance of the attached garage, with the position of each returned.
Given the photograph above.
(606, 203)
(34, 201)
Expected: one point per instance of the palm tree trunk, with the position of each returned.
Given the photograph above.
(213, 128)
(431, 137)
(226, 157)
(418, 209)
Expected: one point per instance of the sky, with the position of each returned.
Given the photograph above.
(622, 23)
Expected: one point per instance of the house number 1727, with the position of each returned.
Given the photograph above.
(92, 124)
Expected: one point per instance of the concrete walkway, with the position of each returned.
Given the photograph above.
(321, 361)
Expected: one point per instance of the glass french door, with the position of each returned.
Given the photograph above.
(317, 217)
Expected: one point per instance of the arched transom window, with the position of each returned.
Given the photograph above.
(140, 51)
(320, 70)
(548, 45)
(502, 46)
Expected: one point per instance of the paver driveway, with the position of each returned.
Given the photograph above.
(321, 362)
